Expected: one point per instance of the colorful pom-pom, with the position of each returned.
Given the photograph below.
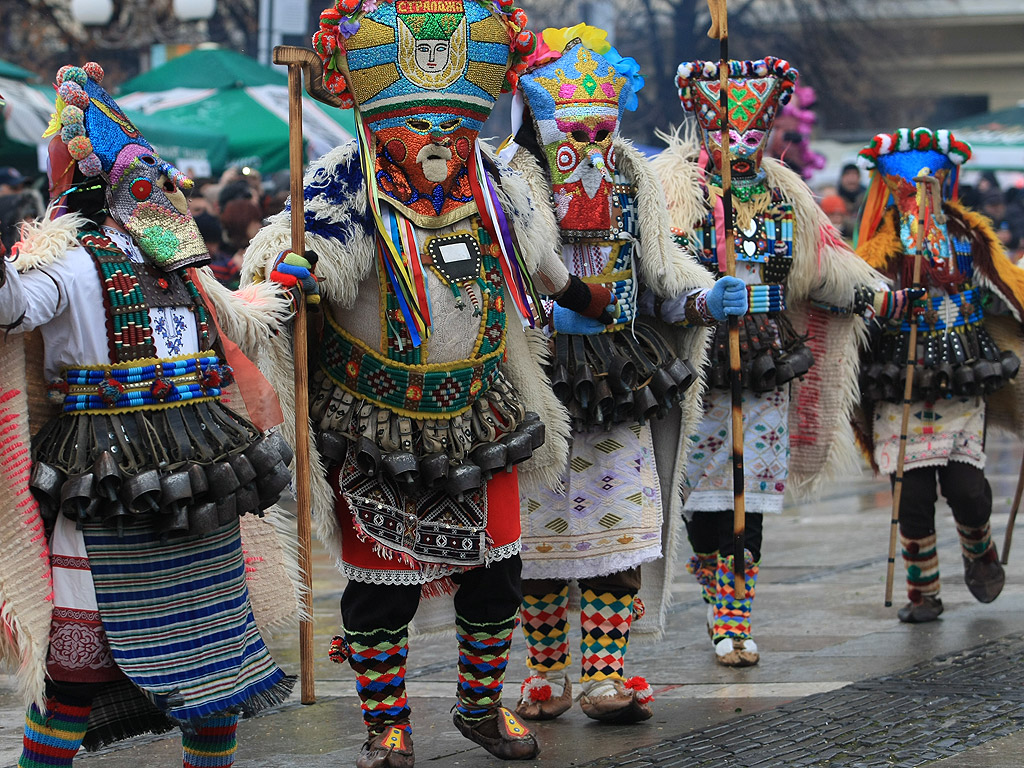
(80, 147)
(535, 689)
(525, 42)
(643, 691)
(339, 650)
(519, 18)
(329, 18)
(71, 115)
(347, 6)
(94, 71)
(109, 390)
(68, 132)
(90, 165)
(506, 5)
(76, 75)
(161, 389)
(60, 74)
(348, 101)
(335, 82)
(324, 43)
(73, 95)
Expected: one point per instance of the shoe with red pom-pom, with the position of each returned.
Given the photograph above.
(543, 698)
(614, 700)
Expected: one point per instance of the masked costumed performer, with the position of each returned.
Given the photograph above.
(621, 482)
(143, 475)
(802, 283)
(427, 391)
(968, 337)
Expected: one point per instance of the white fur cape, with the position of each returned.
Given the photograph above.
(668, 271)
(26, 586)
(824, 270)
(341, 233)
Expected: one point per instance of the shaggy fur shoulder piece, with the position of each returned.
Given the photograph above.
(338, 228)
(44, 241)
(250, 315)
(682, 178)
(992, 269)
(667, 269)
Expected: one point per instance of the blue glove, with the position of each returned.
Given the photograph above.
(567, 321)
(728, 296)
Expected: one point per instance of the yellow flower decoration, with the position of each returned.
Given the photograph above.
(593, 38)
(54, 126)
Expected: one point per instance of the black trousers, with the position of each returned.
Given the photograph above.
(712, 532)
(964, 487)
(620, 583)
(484, 595)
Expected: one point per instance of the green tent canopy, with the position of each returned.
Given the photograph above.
(205, 68)
(996, 139)
(225, 93)
(14, 72)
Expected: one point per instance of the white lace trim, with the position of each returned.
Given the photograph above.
(427, 572)
(720, 501)
(576, 565)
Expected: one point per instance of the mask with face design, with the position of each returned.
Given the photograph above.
(144, 192)
(756, 91)
(576, 102)
(895, 159)
(424, 75)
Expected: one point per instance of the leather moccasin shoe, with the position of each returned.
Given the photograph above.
(614, 700)
(391, 748)
(500, 733)
(543, 698)
(985, 576)
(737, 652)
(927, 610)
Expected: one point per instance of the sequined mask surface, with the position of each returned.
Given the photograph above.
(144, 192)
(576, 102)
(425, 75)
(144, 197)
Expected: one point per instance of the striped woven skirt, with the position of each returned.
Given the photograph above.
(179, 625)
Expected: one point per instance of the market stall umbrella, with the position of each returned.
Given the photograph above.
(23, 119)
(225, 92)
(996, 139)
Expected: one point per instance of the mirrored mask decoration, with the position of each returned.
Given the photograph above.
(576, 102)
(424, 75)
(144, 193)
(896, 160)
(756, 91)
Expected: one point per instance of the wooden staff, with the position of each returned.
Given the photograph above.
(927, 188)
(720, 29)
(1008, 538)
(297, 59)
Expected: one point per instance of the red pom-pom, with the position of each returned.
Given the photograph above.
(519, 18)
(912, 547)
(329, 17)
(109, 390)
(161, 389)
(94, 71)
(644, 693)
(340, 650)
(535, 689)
(526, 41)
(506, 4)
(348, 6)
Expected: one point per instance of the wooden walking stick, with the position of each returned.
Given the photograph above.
(927, 188)
(298, 59)
(1008, 538)
(720, 29)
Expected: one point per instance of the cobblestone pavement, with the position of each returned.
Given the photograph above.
(935, 709)
(841, 682)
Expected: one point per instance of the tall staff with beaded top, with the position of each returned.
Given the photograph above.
(720, 30)
(929, 204)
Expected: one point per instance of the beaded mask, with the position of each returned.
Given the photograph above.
(144, 192)
(756, 91)
(895, 159)
(425, 75)
(577, 101)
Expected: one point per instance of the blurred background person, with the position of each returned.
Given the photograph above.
(240, 220)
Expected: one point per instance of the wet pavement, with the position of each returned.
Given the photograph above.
(841, 682)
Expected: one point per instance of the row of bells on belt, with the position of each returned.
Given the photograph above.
(887, 381)
(767, 371)
(196, 500)
(437, 471)
(614, 397)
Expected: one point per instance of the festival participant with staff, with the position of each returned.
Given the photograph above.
(798, 342)
(428, 399)
(967, 344)
(139, 478)
(631, 387)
